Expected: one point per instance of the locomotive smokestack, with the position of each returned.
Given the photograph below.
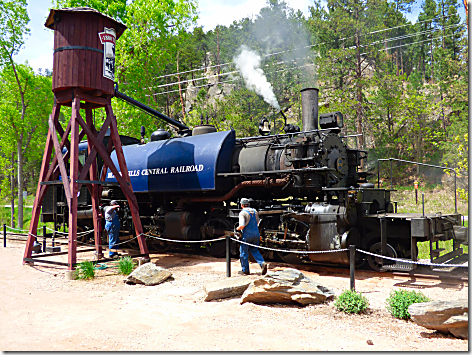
(309, 109)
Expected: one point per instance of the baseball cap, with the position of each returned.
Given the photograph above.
(114, 202)
(245, 201)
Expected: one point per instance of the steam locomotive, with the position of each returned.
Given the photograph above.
(307, 186)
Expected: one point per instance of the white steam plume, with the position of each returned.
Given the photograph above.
(248, 64)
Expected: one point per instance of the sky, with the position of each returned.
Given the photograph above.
(39, 45)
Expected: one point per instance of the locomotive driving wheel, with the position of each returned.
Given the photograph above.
(218, 248)
(375, 262)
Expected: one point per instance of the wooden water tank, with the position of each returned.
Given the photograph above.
(83, 41)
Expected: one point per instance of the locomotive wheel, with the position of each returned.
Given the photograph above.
(290, 258)
(157, 245)
(375, 262)
(218, 249)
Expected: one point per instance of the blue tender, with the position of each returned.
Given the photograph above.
(178, 164)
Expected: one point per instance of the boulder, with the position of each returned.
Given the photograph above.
(286, 286)
(225, 288)
(148, 274)
(443, 316)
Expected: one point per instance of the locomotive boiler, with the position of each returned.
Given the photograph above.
(307, 185)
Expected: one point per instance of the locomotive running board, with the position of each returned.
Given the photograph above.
(399, 266)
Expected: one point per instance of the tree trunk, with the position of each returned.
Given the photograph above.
(20, 182)
(218, 50)
(12, 194)
(180, 90)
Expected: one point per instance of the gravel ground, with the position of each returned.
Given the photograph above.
(42, 311)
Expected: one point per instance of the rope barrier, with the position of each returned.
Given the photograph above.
(15, 229)
(185, 241)
(291, 251)
(270, 249)
(410, 261)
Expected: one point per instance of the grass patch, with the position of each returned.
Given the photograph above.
(399, 301)
(85, 270)
(126, 265)
(436, 199)
(351, 301)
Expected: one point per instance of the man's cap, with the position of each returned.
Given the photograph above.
(114, 203)
(245, 201)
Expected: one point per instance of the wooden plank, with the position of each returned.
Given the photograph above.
(74, 160)
(95, 196)
(37, 201)
(60, 160)
(88, 54)
(81, 63)
(94, 99)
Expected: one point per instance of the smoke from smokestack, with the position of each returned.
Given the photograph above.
(248, 64)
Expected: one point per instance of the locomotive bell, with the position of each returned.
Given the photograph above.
(264, 127)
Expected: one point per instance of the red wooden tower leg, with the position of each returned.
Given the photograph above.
(127, 188)
(95, 192)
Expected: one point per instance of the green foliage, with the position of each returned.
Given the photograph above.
(350, 301)
(399, 301)
(85, 270)
(126, 265)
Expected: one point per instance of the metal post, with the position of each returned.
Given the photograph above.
(352, 265)
(423, 203)
(391, 176)
(44, 239)
(4, 235)
(228, 256)
(455, 189)
(53, 236)
(378, 174)
(383, 238)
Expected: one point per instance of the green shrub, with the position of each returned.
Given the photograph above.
(351, 302)
(85, 270)
(126, 265)
(399, 301)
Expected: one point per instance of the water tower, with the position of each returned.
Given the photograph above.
(83, 79)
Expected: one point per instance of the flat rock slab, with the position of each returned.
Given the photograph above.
(443, 316)
(286, 286)
(148, 274)
(225, 288)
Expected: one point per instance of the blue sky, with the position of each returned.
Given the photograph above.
(38, 47)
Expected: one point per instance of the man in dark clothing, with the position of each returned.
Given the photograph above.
(248, 224)
(112, 226)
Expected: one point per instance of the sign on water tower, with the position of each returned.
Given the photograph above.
(108, 39)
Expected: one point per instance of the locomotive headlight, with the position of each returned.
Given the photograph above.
(339, 119)
(331, 120)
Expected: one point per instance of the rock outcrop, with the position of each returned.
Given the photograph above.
(148, 274)
(225, 288)
(443, 316)
(286, 286)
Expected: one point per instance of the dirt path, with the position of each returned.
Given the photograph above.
(41, 311)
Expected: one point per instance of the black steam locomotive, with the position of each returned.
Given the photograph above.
(306, 185)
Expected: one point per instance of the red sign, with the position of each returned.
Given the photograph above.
(107, 37)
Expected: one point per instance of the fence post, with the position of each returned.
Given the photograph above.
(352, 265)
(4, 235)
(44, 239)
(228, 256)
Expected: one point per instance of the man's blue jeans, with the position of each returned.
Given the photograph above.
(113, 230)
(245, 249)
